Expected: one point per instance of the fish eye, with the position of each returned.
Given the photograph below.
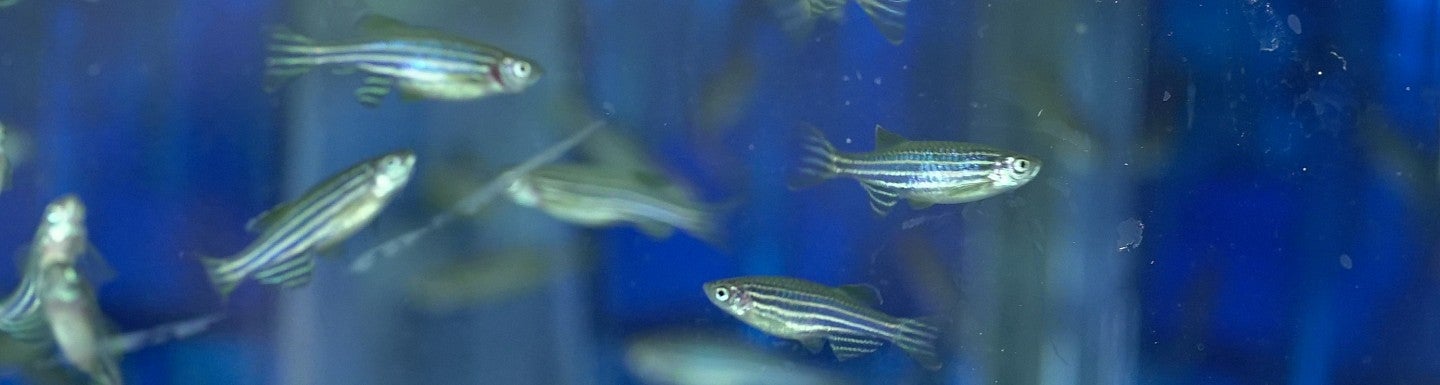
(1021, 165)
(522, 69)
(722, 294)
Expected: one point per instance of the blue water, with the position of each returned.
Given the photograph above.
(1282, 156)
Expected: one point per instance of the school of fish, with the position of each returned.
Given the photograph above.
(56, 305)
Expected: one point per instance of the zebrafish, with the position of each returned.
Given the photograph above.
(799, 16)
(921, 172)
(79, 328)
(688, 357)
(813, 314)
(603, 196)
(59, 240)
(292, 233)
(423, 63)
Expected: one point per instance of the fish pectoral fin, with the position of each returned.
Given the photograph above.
(884, 138)
(847, 347)
(374, 90)
(888, 17)
(293, 273)
(655, 229)
(863, 293)
(813, 344)
(882, 198)
(919, 204)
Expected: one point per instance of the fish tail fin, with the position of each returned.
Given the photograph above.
(917, 337)
(817, 162)
(224, 282)
(888, 16)
(291, 55)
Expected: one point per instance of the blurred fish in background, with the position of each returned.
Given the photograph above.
(593, 195)
(422, 63)
(694, 357)
(799, 16)
(484, 279)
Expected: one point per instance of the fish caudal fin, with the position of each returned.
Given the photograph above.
(224, 282)
(291, 55)
(817, 162)
(888, 16)
(917, 338)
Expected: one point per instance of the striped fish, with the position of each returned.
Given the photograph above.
(922, 172)
(327, 214)
(77, 324)
(60, 239)
(422, 63)
(591, 195)
(813, 314)
(800, 16)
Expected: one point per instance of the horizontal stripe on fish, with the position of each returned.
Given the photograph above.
(291, 233)
(814, 314)
(922, 172)
(423, 63)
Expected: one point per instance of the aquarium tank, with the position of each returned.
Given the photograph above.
(721, 192)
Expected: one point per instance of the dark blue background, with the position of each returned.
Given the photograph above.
(1253, 171)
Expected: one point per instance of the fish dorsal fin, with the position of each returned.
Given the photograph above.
(882, 198)
(373, 24)
(885, 139)
(851, 346)
(266, 219)
(863, 293)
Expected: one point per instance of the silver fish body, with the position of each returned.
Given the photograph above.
(59, 240)
(327, 214)
(815, 314)
(605, 196)
(922, 172)
(421, 63)
(77, 324)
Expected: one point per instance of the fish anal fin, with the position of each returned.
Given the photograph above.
(813, 343)
(919, 204)
(885, 139)
(293, 273)
(882, 198)
(655, 229)
(374, 90)
(863, 293)
(849, 346)
(888, 17)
